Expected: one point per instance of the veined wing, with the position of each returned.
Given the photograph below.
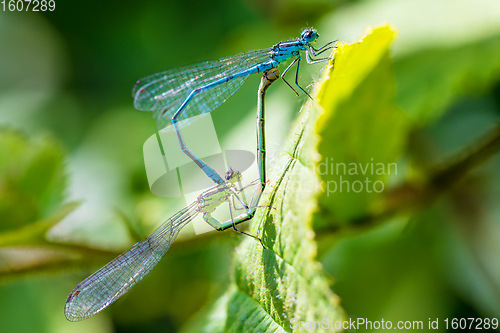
(164, 92)
(114, 279)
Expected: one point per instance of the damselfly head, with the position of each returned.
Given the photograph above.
(309, 35)
(233, 176)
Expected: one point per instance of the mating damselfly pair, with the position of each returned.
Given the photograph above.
(176, 95)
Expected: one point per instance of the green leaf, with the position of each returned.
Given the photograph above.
(32, 178)
(32, 183)
(362, 131)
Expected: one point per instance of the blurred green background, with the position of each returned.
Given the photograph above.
(74, 192)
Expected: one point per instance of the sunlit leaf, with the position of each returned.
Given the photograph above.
(362, 131)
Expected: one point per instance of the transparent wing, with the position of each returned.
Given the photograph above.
(114, 279)
(164, 92)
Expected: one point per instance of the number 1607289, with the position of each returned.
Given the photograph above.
(28, 5)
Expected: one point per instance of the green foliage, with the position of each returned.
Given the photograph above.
(362, 131)
(32, 178)
(32, 184)
(431, 79)
(439, 214)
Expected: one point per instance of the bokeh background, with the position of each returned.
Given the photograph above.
(74, 192)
